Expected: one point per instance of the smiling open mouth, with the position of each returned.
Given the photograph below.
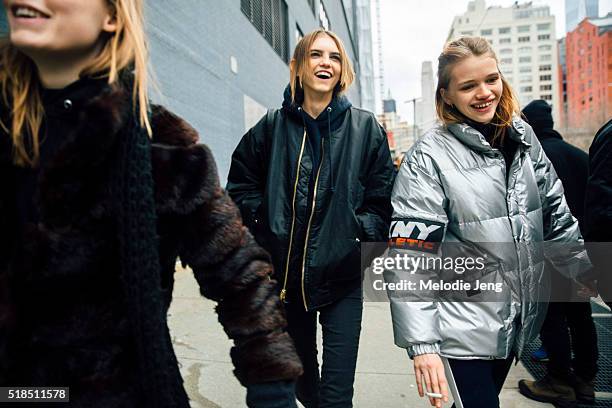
(323, 75)
(27, 12)
(485, 105)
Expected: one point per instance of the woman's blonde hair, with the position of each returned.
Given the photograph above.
(456, 51)
(301, 54)
(125, 49)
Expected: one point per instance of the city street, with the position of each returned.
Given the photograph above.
(384, 372)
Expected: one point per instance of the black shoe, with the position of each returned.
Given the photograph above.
(549, 389)
(585, 390)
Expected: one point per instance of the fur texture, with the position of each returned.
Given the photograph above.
(62, 310)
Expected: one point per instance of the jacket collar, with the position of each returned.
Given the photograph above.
(475, 140)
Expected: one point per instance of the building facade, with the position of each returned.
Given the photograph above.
(222, 64)
(523, 37)
(589, 74)
(578, 10)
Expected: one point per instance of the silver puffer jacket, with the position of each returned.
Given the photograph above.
(453, 178)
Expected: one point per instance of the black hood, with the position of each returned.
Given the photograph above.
(318, 129)
(539, 115)
(339, 105)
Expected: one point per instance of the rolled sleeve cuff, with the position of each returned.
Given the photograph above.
(423, 348)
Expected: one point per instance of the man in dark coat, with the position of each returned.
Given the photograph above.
(598, 204)
(561, 384)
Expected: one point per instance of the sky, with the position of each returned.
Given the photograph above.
(414, 31)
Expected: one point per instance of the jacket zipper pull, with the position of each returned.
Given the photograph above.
(283, 295)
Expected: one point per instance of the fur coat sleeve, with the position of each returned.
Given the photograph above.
(227, 262)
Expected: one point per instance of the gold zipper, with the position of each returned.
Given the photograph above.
(314, 200)
(283, 293)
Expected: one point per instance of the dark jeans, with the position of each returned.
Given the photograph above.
(581, 339)
(341, 324)
(480, 381)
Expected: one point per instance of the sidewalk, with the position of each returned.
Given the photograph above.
(384, 372)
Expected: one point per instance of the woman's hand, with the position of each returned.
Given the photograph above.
(430, 368)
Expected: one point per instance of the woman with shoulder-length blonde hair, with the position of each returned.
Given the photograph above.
(101, 192)
(478, 179)
(313, 180)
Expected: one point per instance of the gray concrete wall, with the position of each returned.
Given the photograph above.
(191, 47)
(192, 42)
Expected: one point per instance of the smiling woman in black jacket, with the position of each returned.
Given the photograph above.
(99, 197)
(313, 180)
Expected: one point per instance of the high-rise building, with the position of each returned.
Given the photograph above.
(523, 36)
(578, 10)
(221, 64)
(425, 106)
(401, 135)
(363, 24)
(562, 72)
(589, 74)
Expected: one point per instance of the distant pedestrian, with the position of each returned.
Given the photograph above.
(479, 177)
(561, 383)
(101, 192)
(313, 180)
(598, 209)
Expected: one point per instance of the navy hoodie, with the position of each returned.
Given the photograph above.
(316, 128)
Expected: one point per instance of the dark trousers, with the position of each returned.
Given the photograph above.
(341, 325)
(569, 327)
(581, 338)
(479, 381)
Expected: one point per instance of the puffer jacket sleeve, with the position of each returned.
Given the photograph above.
(417, 197)
(563, 246)
(246, 181)
(374, 215)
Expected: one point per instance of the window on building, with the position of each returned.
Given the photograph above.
(524, 59)
(323, 19)
(523, 29)
(505, 51)
(547, 87)
(542, 37)
(525, 68)
(545, 67)
(543, 27)
(545, 77)
(466, 33)
(269, 17)
(546, 57)
(486, 32)
(524, 49)
(506, 69)
(505, 40)
(506, 61)
(523, 39)
(546, 47)
(524, 79)
(504, 30)
(547, 97)
(526, 88)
